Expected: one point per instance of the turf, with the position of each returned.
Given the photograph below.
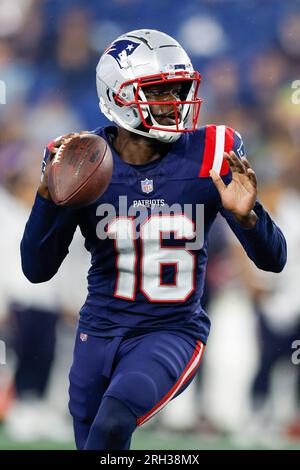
(153, 440)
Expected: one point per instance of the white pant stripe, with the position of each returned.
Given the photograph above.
(189, 370)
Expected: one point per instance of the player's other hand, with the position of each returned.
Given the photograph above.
(240, 194)
(50, 153)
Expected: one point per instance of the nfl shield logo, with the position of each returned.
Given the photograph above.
(147, 186)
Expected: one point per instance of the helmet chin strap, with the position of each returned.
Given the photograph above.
(162, 136)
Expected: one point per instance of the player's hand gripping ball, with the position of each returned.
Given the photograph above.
(80, 170)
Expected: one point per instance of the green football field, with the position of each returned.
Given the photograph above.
(155, 440)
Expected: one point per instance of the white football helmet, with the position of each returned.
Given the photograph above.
(138, 59)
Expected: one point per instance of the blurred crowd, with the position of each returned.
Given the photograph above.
(249, 57)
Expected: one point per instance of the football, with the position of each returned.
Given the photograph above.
(81, 171)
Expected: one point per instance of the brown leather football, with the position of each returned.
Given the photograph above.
(81, 171)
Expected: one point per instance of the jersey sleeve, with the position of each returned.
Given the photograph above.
(46, 239)
(264, 244)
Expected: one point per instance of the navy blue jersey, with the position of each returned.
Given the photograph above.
(146, 274)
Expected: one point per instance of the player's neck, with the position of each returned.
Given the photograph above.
(138, 150)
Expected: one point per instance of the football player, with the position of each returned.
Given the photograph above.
(142, 330)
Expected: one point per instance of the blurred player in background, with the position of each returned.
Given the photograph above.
(276, 302)
(142, 330)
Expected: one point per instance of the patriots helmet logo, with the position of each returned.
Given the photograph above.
(241, 149)
(121, 50)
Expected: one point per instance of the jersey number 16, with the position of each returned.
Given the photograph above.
(154, 256)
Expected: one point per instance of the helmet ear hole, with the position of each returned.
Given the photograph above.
(107, 94)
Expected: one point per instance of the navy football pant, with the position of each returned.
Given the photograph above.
(119, 383)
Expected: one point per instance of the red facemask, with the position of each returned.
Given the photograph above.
(163, 78)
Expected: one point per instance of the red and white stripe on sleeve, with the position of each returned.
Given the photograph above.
(218, 139)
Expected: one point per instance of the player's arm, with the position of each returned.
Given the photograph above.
(260, 236)
(49, 230)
